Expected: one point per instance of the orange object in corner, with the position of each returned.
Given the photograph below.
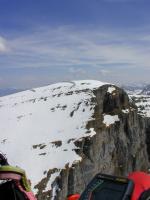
(141, 183)
(73, 197)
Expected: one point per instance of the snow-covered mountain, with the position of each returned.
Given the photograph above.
(48, 129)
(146, 90)
(140, 94)
(142, 100)
(143, 103)
(36, 122)
(134, 88)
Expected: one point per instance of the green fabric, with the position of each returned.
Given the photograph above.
(17, 170)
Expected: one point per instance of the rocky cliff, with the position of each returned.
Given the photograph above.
(65, 133)
(117, 148)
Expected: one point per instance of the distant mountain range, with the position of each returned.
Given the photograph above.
(7, 91)
(143, 89)
(141, 97)
(146, 90)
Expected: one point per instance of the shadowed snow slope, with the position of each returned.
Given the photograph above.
(142, 102)
(39, 127)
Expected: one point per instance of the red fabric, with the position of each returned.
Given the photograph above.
(141, 181)
(74, 197)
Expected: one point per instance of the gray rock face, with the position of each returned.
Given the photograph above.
(117, 149)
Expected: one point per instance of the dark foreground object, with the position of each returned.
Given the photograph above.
(9, 191)
(107, 187)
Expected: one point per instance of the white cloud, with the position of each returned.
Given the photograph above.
(70, 47)
(64, 46)
(3, 45)
(68, 53)
(75, 70)
(104, 72)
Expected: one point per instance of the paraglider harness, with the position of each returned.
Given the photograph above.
(13, 182)
(107, 187)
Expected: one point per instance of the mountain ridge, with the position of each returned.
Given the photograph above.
(71, 120)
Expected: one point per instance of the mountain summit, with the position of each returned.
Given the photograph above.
(55, 132)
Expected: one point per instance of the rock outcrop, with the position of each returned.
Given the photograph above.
(65, 133)
(118, 148)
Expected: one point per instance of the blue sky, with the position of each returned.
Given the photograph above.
(46, 41)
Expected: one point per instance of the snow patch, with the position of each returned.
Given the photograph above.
(49, 184)
(54, 191)
(111, 89)
(125, 111)
(110, 119)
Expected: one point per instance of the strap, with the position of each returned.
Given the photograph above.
(145, 195)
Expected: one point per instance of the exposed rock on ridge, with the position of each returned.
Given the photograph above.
(117, 149)
(65, 133)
